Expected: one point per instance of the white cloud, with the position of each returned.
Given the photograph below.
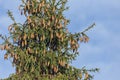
(95, 3)
(6, 4)
(103, 49)
(5, 66)
(102, 9)
(5, 21)
(108, 71)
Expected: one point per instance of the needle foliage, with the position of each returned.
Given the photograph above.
(42, 48)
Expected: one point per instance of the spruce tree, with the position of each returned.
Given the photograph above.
(42, 48)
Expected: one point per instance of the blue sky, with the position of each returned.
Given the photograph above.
(103, 49)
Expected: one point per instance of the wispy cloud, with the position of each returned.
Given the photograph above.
(103, 49)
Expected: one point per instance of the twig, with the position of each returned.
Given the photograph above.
(88, 28)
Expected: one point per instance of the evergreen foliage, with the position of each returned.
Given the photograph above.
(42, 48)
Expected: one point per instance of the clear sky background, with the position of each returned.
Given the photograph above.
(103, 49)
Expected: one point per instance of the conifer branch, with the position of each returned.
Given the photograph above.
(88, 28)
(11, 16)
